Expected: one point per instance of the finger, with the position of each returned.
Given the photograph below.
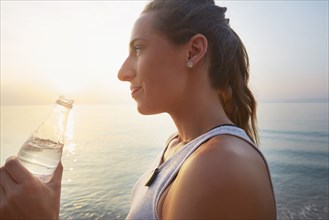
(10, 158)
(7, 211)
(6, 180)
(17, 171)
(2, 193)
(2, 198)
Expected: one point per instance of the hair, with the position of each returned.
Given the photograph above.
(179, 20)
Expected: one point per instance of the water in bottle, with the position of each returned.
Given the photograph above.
(42, 152)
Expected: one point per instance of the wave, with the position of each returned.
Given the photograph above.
(319, 134)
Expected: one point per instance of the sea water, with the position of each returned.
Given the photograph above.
(40, 157)
(113, 145)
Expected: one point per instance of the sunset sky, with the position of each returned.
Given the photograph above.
(75, 48)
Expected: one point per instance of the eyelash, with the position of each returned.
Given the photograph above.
(138, 49)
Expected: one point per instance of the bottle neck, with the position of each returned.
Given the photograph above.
(54, 126)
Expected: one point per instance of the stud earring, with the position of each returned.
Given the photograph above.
(189, 64)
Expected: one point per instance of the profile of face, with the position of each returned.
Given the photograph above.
(155, 68)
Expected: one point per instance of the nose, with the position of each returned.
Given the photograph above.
(126, 72)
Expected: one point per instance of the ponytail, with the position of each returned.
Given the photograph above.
(237, 99)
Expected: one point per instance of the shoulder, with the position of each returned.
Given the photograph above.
(227, 163)
(224, 178)
(226, 154)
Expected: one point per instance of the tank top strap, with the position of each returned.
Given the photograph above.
(190, 147)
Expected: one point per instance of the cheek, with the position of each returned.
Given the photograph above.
(162, 72)
(154, 70)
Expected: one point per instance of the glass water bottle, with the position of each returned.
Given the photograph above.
(42, 152)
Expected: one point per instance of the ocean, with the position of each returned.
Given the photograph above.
(109, 146)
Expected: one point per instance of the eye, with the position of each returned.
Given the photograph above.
(138, 49)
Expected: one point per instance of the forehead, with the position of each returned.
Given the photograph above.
(143, 26)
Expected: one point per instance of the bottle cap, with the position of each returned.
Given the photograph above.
(62, 100)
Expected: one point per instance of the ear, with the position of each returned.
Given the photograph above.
(197, 48)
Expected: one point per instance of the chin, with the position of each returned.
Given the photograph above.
(142, 109)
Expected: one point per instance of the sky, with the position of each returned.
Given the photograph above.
(75, 48)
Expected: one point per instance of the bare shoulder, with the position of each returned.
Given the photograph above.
(225, 178)
(227, 154)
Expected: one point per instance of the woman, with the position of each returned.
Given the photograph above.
(185, 60)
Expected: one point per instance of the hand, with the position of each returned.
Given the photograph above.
(24, 196)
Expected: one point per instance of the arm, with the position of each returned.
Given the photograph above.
(223, 179)
(23, 196)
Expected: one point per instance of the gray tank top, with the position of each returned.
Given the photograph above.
(150, 186)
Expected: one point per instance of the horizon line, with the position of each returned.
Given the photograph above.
(273, 100)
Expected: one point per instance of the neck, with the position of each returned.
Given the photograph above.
(197, 115)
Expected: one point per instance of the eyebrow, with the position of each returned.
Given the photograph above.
(131, 44)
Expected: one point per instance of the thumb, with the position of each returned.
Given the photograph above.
(56, 180)
(55, 186)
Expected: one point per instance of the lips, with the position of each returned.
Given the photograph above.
(135, 89)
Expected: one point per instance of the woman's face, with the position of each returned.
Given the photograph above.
(155, 68)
